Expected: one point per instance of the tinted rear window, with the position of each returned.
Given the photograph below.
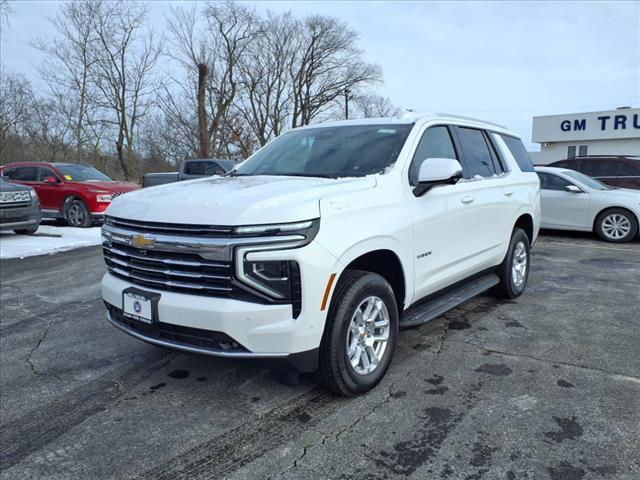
(519, 153)
(477, 157)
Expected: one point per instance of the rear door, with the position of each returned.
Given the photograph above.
(51, 195)
(485, 193)
(561, 208)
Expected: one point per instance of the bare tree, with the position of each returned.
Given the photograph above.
(5, 11)
(266, 87)
(49, 126)
(372, 105)
(123, 71)
(327, 64)
(218, 43)
(15, 101)
(68, 69)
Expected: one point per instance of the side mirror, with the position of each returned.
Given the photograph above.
(50, 180)
(437, 171)
(573, 189)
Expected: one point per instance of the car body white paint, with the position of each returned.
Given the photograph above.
(357, 216)
(563, 210)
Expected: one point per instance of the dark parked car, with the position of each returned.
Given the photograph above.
(617, 171)
(189, 170)
(19, 208)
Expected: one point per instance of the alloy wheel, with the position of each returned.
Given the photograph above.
(616, 226)
(520, 264)
(368, 335)
(75, 213)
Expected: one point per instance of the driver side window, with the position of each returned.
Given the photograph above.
(548, 181)
(435, 143)
(44, 173)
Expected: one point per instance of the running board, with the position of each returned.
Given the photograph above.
(427, 310)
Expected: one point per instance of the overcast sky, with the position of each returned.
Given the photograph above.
(500, 61)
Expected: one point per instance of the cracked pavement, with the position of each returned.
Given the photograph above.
(543, 387)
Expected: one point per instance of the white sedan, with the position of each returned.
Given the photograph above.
(573, 201)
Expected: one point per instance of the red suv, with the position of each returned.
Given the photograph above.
(617, 171)
(74, 191)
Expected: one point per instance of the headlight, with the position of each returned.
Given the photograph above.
(33, 193)
(270, 277)
(103, 198)
(273, 229)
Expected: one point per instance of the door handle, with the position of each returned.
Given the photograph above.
(467, 199)
(508, 192)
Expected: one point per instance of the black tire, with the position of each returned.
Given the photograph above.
(606, 221)
(76, 213)
(335, 372)
(26, 231)
(508, 288)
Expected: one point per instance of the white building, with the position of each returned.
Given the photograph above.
(614, 132)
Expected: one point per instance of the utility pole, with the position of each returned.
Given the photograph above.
(347, 92)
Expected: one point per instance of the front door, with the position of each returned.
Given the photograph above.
(561, 208)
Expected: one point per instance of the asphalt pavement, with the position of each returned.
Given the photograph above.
(543, 387)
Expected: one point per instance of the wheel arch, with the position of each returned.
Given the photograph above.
(610, 207)
(525, 222)
(386, 263)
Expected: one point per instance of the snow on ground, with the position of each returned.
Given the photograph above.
(48, 239)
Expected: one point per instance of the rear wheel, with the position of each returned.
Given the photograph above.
(616, 225)
(514, 269)
(77, 213)
(360, 335)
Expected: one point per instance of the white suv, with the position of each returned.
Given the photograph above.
(314, 252)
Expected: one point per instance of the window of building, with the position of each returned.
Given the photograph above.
(582, 150)
(571, 151)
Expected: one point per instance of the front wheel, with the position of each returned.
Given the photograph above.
(514, 269)
(616, 225)
(26, 231)
(360, 335)
(77, 213)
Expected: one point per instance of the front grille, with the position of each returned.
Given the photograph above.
(180, 229)
(173, 271)
(22, 197)
(178, 334)
(21, 218)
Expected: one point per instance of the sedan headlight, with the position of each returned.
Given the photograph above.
(103, 198)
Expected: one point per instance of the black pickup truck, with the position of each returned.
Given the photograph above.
(189, 170)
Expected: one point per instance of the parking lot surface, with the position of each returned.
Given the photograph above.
(543, 387)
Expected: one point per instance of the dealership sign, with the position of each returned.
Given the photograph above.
(623, 123)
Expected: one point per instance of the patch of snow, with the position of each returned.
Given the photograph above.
(47, 240)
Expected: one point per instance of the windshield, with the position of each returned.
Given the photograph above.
(588, 181)
(346, 151)
(82, 173)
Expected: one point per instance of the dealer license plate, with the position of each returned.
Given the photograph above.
(137, 306)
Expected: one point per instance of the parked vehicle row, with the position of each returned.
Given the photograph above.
(616, 170)
(574, 201)
(313, 252)
(77, 193)
(189, 170)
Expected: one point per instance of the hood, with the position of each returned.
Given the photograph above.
(110, 186)
(234, 200)
(12, 187)
(623, 197)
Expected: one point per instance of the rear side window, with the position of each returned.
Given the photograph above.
(477, 156)
(518, 151)
(435, 143)
(598, 168)
(22, 174)
(202, 168)
(624, 169)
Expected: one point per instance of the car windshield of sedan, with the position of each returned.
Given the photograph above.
(82, 173)
(333, 152)
(588, 181)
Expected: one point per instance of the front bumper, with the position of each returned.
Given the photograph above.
(267, 334)
(15, 218)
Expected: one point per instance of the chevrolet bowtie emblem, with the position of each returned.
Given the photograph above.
(142, 241)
